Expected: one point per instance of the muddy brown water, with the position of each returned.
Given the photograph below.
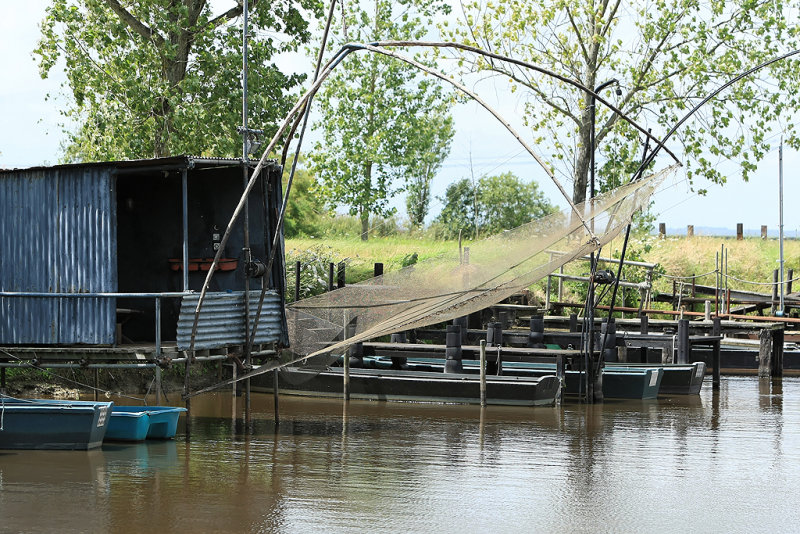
(726, 462)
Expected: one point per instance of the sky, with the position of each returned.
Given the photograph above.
(32, 135)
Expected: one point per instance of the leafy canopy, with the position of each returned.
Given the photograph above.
(497, 203)
(382, 122)
(161, 77)
(666, 55)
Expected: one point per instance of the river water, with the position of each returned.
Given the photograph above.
(718, 462)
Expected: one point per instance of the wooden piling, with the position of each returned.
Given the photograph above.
(689, 230)
(233, 391)
(776, 369)
(275, 396)
(662, 230)
(683, 341)
(483, 371)
(644, 328)
(377, 269)
(763, 231)
(331, 267)
(158, 385)
(3, 380)
(96, 385)
(536, 333)
(340, 275)
(716, 330)
(573, 322)
(453, 350)
(739, 231)
(764, 353)
(789, 277)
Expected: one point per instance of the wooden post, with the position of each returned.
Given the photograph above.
(96, 385)
(689, 230)
(560, 374)
(763, 231)
(789, 277)
(2, 380)
(683, 341)
(340, 275)
(662, 230)
(331, 267)
(573, 322)
(378, 270)
(233, 391)
(297, 266)
(644, 328)
(275, 396)
(346, 360)
(453, 350)
(739, 231)
(707, 310)
(483, 371)
(776, 367)
(775, 277)
(158, 385)
(716, 330)
(536, 333)
(765, 353)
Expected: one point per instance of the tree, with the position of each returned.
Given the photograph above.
(666, 55)
(500, 203)
(435, 137)
(159, 77)
(304, 211)
(374, 114)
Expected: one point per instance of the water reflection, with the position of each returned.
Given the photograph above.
(675, 463)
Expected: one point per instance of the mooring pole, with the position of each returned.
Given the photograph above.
(297, 266)
(158, 385)
(3, 380)
(780, 226)
(483, 372)
(96, 385)
(275, 395)
(346, 361)
(716, 330)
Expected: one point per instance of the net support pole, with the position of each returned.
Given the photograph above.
(483, 372)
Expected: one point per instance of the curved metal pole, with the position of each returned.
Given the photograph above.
(532, 66)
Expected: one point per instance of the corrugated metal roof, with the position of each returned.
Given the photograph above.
(170, 162)
(221, 321)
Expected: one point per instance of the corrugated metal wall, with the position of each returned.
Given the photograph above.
(58, 229)
(221, 321)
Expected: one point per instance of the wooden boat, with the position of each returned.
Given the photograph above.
(53, 424)
(634, 382)
(679, 379)
(420, 386)
(136, 423)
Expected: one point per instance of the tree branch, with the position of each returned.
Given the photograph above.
(135, 24)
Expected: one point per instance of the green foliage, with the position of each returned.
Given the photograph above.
(161, 77)
(666, 54)
(306, 215)
(314, 272)
(381, 121)
(500, 203)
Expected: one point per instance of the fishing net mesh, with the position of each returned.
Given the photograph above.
(451, 285)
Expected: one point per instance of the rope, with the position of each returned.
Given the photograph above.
(759, 283)
(693, 277)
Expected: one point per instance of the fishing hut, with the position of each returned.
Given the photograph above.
(101, 263)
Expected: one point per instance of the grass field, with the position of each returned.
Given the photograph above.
(751, 259)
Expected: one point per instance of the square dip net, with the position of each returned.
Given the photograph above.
(448, 286)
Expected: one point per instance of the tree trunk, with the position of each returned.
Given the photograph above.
(364, 226)
(584, 158)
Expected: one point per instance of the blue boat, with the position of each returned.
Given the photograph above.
(137, 423)
(53, 424)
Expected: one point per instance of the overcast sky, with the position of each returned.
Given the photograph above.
(32, 133)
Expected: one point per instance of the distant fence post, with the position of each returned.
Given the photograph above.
(297, 266)
(378, 270)
(775, 277)
(331, 267)
(689, 230)
(739, 231)
(763, 231)
(662, 230)
(340, 275)
(790, 276)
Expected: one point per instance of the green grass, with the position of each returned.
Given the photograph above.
(751, 259)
